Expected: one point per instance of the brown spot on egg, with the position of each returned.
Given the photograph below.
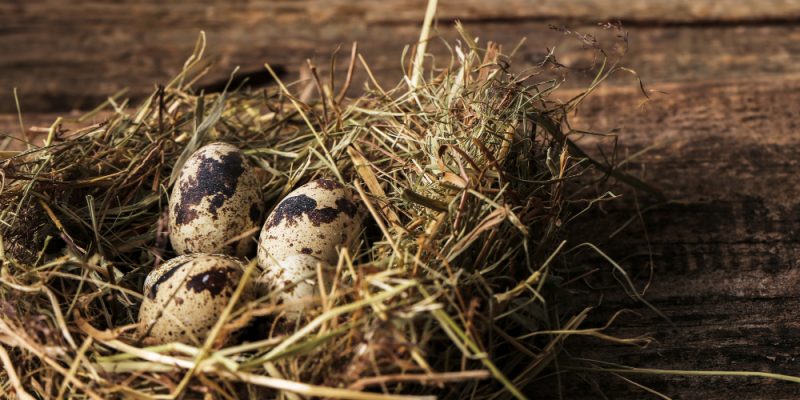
(346, 206)
(290, 209)
(306, 250)
(184, 214)
(215, 180)
(324, 215)
(294, 207)
(288, 283)
(328, 184)
(163, 278)
(214, 281)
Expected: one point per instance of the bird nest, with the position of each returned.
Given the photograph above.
(471, 180)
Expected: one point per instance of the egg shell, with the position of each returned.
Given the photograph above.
(184, 297)
(316, 219)
(216, 197)
(295, 278)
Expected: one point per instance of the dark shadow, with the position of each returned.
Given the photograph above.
(248, 80)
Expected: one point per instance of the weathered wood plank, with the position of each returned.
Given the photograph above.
(725, 250)
(395, 11)
(64, 56)
(632, 11)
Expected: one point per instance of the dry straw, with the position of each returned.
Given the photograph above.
(470, 179)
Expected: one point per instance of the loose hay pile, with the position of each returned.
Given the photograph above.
(469, 180)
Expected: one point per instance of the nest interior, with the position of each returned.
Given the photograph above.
(471, 177)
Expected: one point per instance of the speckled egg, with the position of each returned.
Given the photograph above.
(184, 297)
(217, 197)
(314, 220)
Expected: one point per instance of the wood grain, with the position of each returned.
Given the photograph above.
(70, 55)
(725, 248)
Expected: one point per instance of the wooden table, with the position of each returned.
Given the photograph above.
(726, 132)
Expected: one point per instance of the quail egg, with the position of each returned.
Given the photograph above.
(316, 219)
(184, 297)
(308, 226)
(216, 197)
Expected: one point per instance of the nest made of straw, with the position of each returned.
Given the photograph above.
(470, 180)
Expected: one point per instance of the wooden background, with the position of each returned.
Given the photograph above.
(726, 135)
